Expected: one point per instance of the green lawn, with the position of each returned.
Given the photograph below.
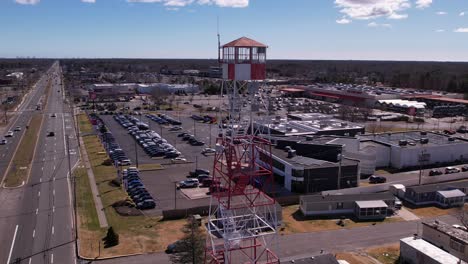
(22, 161)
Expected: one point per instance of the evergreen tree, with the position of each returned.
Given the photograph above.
(111, 239)
(191, 248)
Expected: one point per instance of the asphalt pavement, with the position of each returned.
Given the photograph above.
(37, 221)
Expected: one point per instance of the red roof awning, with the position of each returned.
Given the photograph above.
(325, 95)
(244, 42)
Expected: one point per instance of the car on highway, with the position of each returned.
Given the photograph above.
(190, 183)
(377, 179)
(51, 134)
(3, 141)
(435, 172)
(53, 115)
(450, 170)
(9, 134)
(18, 128)
(464, 168)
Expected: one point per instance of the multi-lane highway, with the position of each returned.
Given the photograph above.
(36, 220)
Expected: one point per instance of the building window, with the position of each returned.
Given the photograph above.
(457, 246)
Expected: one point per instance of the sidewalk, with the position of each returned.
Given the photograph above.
(92, 181)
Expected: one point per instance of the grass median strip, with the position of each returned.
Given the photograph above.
(85, 125)
(20, 165)
(137, 234)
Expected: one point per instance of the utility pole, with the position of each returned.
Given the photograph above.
(136, 154)
(340, 157)
(73, 181)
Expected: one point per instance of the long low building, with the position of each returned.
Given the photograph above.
(445, 195)
(362, 206)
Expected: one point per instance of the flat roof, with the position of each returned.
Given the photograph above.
(451, 193)
(347, 197)
(318, 259)
(457, 234)
(440, 98)
(306, 162)
(438, 187)
(413, 138)
(371, 204)
(430, 250)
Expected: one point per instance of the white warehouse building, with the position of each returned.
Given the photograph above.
(167, 88)
(412, 149)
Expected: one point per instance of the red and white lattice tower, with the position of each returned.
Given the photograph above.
(242, 221)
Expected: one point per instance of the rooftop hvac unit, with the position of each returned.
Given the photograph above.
(424, 140)
(291, 153)
(288, 128)
(344, 124)
(322, 125)
(287, 148)
(403, 142)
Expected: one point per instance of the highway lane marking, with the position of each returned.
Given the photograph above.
(34, 233)
(52, 258)
(53, 229)
(12, 245)
(37, 210)
(39, 193)
(54, 167)
(53, 192)
(30, 260)
(53, 209)
(40, 179)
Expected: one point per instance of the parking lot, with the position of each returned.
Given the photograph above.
(162, 183)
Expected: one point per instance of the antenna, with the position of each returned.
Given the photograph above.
(219, 40)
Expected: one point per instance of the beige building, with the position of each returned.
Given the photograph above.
(451, 239)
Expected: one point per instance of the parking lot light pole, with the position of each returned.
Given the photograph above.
(136, 154)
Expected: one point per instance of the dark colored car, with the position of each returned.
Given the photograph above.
(51, 134)
(464, 168)
(377, 179)
(435, 172)
(197, 172)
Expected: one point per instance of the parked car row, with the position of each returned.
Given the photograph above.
(163, 119)
(130, 121)
(115, 152)
(136, 189)
(197, 177)
(191, 139)
(151, 142)
(204, 119)
(448, 170)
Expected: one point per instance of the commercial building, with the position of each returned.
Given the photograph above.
(414, 250)
(308, 167)
(445, 195)
(371, 206)
(164, 88)
(402, 106)
(446, 237)
(412, 149)
(109, 91)
(317, 259)
(309, 124)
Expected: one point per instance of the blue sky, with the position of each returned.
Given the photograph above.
(293, 29)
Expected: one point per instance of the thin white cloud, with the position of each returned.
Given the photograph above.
(375, 25)
(440, 30)
(182, 3)
(27, 2)
(461, 30)
(441, 13)
(343, 21)
(89, 1)
(462, 14)
(423, 3)
(370, 9)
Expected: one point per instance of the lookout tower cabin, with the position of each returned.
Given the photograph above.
(243, 59)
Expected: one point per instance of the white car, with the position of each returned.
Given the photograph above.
(9, 134)
(3, 141)
(179, 160)
(190, 183)
(18, 128)
(208, 151)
